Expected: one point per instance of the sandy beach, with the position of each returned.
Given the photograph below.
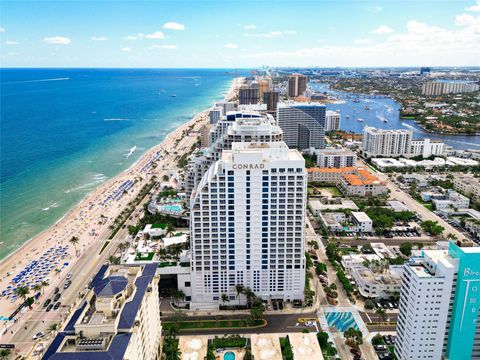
(90, 220)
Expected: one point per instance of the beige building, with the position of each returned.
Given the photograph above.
(351, 181)
(118, 318)
(467, 185)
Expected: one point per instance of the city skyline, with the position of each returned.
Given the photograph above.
(244, 35)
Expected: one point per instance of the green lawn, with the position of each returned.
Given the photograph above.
(331, 189)
(209, 324)
(143, 257)
(159, 226)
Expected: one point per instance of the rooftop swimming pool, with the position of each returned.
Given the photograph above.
(342, 321)
(172, 208)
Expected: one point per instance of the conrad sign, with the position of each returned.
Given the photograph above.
(248, 166)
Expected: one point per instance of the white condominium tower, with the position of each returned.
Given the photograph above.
(380, 142)
(332, 121)
(439, 304)
(247, 223)
(303, 124)
(239, 126)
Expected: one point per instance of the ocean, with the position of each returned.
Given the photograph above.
(63, 132)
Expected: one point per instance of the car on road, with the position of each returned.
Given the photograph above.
(69, 276)
(379, 347)
(57, 296)
(56, 290)
(357, 357)
(49, 307)
(38, 335)
(309, 323)
(47, 302)
(57, 305)
(67, 284)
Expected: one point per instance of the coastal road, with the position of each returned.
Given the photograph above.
(278, 323)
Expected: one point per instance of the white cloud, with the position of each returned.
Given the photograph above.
(377, 9)
(231, 46)
(250, 27)
(272, 34)
(57, 40)
(362, 41)
(475, 8)
(99, 38)
(167, 47)
(173, 26)
(425, 44)
(157, 35)
(11, 42)
(382, 29)
(126, 49)
(2, 29)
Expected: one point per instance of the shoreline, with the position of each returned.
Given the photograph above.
(77, 216)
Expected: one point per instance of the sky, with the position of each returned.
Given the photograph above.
(243, 34)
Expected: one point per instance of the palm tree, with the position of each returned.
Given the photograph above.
(225, 298)
(22, 292)
(52, 328)
(44, 284)
(74, 241)
(114, 260)
(240, 289)
(162, 253)
(169, 229)
(382, 316)
(5, 353)
(178, 295)
(37, 287)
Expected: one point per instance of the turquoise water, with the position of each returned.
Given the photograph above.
(63, 132)
(172, 208)
(342, 321)
(229, 356)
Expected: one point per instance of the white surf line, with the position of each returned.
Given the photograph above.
(39, 80)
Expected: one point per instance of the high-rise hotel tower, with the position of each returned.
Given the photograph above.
(247, 225)
(439, 303)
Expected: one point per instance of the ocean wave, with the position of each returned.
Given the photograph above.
(32, 81)
(131, 151)
(50, 205)
(116, 119)
(96, 179)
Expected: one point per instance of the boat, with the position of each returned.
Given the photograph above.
(385, 120)
(366, 107)
(356, 100)
(360, 120)
(347, 116)
(173, 95)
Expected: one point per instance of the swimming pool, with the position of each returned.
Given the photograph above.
(229, 356)
(172, 208)
(342, 321)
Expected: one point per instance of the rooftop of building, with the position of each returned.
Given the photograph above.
(268, 151)
(360, 216)
(335, 151)
(362, 177)
(386, 131)
(107, 313)
(386, 278)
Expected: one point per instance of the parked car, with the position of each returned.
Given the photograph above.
(57, 296)
(67, 284)
(57, 305)
(49, 307)
(69, 276)
(47, 302)
(56, 290)
(387, 340)
(379, 347)
(355, 352)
